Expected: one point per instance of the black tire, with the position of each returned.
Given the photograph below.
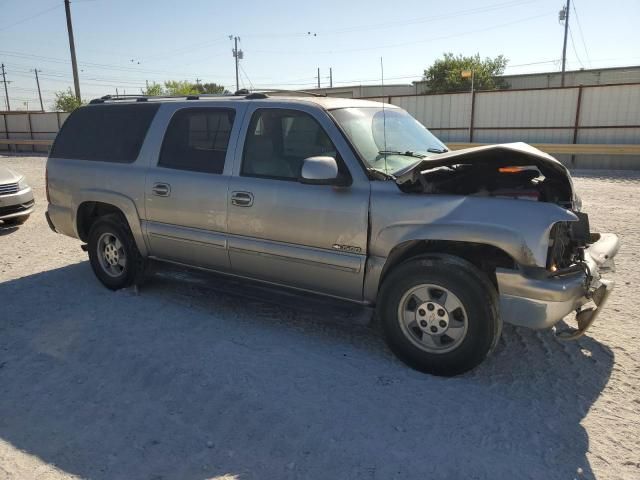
(474, 291)
(115, 225)
(16, 220)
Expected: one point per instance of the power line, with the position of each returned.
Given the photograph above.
(404, 44)
(402, 22)
(246, 76)
(574, 48)
(29, 17)
(584, 44)
(103, 66)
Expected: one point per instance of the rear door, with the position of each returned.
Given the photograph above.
(186, 186)
(312, 237)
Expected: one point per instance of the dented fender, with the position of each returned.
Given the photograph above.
(518, 227)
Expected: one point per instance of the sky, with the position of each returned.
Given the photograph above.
(124, 43)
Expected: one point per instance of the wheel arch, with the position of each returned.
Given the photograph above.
(93, 205)
(485, 257)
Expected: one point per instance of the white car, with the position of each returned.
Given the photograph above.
(16, 198)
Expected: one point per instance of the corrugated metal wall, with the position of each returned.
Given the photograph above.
(447, 115)
(605, 114)
(40, 126)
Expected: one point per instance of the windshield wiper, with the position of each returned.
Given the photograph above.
(380, 174)
(404, 154)
(437, 150)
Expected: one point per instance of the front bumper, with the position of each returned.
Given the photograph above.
(17, 204)
(541, 302)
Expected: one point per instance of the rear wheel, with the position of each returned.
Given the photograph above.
(439, 314)
(113, 253)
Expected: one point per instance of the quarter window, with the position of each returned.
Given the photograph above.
(279, 140)
(105, 133)
(197, 140)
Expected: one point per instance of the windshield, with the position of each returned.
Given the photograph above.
(388, 140)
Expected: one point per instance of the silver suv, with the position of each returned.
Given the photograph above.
(350, 199)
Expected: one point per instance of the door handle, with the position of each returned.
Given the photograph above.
(242, 199)
(161, 189)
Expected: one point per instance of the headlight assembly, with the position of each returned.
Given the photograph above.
(22, 183)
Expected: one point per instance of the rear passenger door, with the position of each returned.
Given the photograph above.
(186, 187)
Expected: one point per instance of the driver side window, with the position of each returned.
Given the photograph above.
(279, 140)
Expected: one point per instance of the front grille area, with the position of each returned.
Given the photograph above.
(16, 208)
(8, 188)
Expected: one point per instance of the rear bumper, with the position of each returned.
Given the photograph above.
(17, 204)
(540, 303)
(60, 220)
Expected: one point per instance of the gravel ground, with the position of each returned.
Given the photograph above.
(184, 379)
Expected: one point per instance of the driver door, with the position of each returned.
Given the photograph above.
(312, 237)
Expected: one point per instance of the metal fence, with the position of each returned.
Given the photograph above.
(597, 114)
(594, 114)
(30, 126)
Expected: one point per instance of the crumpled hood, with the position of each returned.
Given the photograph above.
(8, 176)
(517, 153)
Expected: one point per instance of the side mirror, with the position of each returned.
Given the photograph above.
(320, 171)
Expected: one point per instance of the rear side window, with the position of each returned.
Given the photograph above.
(107, 133)
(197, 140)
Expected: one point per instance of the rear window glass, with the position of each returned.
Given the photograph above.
(107, 133)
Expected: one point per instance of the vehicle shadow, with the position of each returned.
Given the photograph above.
(180, 380)
(7, 229)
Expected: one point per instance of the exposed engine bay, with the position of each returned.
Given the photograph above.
(513, 170)
(491, 180)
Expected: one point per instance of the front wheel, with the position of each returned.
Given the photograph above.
(439, 314)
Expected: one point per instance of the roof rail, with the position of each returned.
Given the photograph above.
(250, 95)
(264, 92)
(144, 98)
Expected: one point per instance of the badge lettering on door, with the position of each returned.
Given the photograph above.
(346, 248)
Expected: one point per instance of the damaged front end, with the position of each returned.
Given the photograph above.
(537, 296)
(513, 170)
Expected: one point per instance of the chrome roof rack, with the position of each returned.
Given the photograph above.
(145, 98)
(248, 94)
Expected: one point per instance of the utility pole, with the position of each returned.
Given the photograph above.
(39, 92)
(330, 77)
(318, 77)
(6, 92)
(564, 15)
(238, 55)
(72, 47)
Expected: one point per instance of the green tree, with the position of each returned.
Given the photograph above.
(445, 75)
(153, 89)
(180, 87)
(66, 101)
(209, 88)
